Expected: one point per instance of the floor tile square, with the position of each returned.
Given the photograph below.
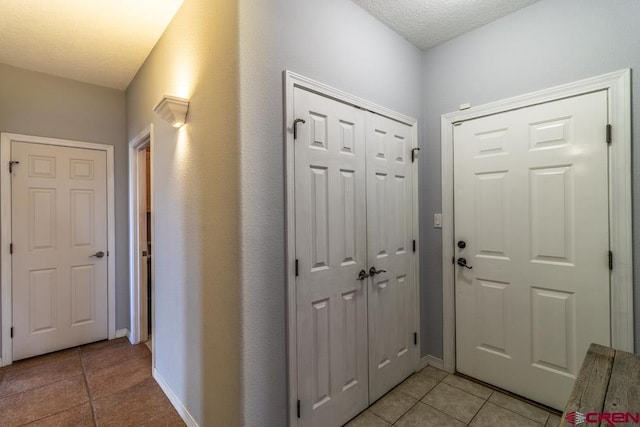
(105, 357)
(492, 416)
(20, 377)
(422, 415)
(434, 372)
(468, 386)
(114, 379)
(80, 416)
(392, 406)
(367, 419)
(417, 385)
(143, 404)
(38, 403)
(454, 402)
(519, 407)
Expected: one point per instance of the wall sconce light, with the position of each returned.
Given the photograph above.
(173, 110)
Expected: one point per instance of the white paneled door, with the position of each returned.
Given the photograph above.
(331, 251)
(59, 232)
(392, 294)
(532, 245)
(355, 333)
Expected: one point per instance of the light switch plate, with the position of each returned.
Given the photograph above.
(437, 220)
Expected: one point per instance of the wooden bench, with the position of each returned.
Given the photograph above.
(608, 383)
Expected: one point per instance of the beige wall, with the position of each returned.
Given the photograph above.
(39, 104)
(196, 208)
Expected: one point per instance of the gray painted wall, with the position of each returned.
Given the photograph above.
(196, 211)
(335, 42)
(38, 104)
(549, 43)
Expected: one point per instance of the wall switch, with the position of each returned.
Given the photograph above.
(437, 220)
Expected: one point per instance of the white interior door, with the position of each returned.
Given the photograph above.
(331, 251)
(59, 220)
(392, 292)
(531, 206)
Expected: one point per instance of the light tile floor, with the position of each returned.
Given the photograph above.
(107, 383)
(433, 397)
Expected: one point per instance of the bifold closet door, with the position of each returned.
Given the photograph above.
(392, 292)
(330, 215)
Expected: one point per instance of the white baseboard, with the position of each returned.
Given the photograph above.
(177, 404)
(430, 360)
(122, 333)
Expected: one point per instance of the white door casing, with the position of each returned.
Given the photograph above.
(59, 212)
(6, 141)
(531, 204)
(392, 350)
(331, 251)
(138, 233)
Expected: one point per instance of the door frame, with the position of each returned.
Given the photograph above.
(291, 81)
(618, 87)
(5, 233)
(138, 290)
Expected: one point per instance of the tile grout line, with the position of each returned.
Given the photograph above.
(419, 400)
(86, 384)
(483, 405)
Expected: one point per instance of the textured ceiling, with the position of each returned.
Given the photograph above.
(96, 41)
(427, 23)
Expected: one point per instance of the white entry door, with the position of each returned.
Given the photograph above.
(392, 292)
(531, 222)
(331, 251)
(59, 224)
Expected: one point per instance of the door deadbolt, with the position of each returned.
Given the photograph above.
(462, 244)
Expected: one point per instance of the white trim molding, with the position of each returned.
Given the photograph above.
(5, 238)
(123, 333)
(291, 81)
(138, 292)
(618, 87)
(175, 401)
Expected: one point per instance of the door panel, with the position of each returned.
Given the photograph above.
(531, 202)
(59, 197)
(331, 251)
(392, 293)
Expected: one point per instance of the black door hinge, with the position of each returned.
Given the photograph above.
(414, 246)
(453, 260)
(297, 268)
(610, 260)
(295, 127)
(609, 132)
(11, 163)
(10, 248)
(415, 338)
(12, 332)
(298, 405)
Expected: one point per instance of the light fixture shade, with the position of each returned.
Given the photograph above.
(173, 110)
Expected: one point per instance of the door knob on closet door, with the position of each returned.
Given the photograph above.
(463, 263)
(373, 271)
(98, 254)
(362, 275)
